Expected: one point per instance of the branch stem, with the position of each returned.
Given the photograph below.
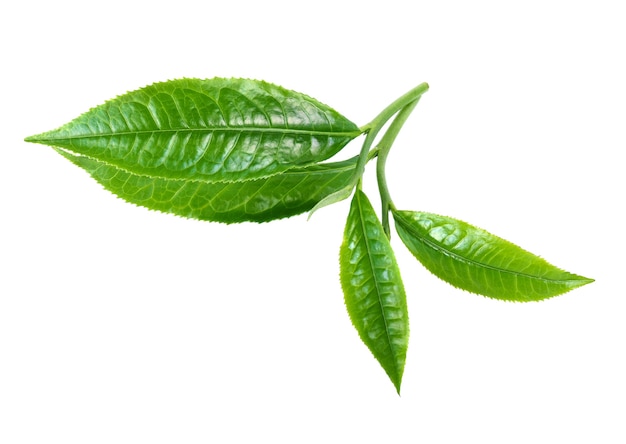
(384, 146)
(374, 127)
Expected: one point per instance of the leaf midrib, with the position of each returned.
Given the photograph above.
(250, 129)
(469, 261)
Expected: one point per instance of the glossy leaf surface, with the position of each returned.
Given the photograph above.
(472, 259)
(283, 195)
(213, 130)
(373, 289)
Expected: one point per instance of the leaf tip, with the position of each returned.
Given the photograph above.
(32, 139)
(397, 385)
(41, 138)
(581, 280)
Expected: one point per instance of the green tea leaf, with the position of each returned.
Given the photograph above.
(214, 130)
(283, 195)
(333, 198)
(373, 289)
(474, 260)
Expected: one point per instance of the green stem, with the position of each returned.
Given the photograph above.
(384, 147)
(374, 127)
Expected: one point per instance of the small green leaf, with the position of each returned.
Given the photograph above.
(373, 289)
(283, 195)
(212, 130)
(474, 260)
(335, 197)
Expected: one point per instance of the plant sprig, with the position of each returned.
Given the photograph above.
(237, 150)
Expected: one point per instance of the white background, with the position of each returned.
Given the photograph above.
(121, 325)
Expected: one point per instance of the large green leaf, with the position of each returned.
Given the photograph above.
(216, 129)
(373, 289)
(285, 194)
(477, 261)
